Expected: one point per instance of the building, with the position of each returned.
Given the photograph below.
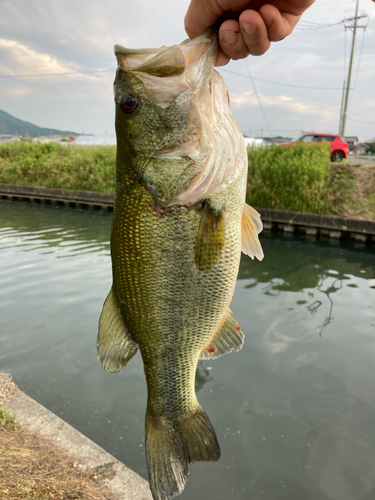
(352, 142)
(9, 138)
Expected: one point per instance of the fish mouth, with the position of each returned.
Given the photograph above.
(168, 61)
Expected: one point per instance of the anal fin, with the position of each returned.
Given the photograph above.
(251, 226)
(114, 344)
(211, 237)
(229, 338)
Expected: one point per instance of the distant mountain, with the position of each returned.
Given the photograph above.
(13, 126)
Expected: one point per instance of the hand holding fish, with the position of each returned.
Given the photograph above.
(247, 26)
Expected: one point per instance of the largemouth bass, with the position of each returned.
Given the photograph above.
(179, 224)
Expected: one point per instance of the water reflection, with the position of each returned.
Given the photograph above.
(313, 267)
(30, 227)
(202, 376)
(302, 263)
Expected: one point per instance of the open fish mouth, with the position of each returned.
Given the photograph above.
(166, 61)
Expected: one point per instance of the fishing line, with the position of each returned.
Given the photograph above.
(256, 93)
(359, 58)
(345, 54)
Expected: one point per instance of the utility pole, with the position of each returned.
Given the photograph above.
(352, 26)
(342, 104)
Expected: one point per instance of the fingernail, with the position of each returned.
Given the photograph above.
(268, 20)
(229, 37)
(249, 29)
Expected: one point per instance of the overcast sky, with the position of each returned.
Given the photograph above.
(62, 36)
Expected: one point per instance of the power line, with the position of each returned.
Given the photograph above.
(360, 121)
(59, 74)
(283, 84)
(312, 26)
(315, 28)
(69, 73)
(304, 21)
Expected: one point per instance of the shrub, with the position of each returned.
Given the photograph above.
(57, 166)
(294, 178)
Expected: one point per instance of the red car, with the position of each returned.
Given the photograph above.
(339, 148)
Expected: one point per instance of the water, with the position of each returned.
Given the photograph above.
(294, 411)
(95, 140)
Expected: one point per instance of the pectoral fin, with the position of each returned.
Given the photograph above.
(114, 344)
(229, 338)
(251, 227)
(211, 237)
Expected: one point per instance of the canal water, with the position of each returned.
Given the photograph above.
(294, 410)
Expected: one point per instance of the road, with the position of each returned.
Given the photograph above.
(361, 159)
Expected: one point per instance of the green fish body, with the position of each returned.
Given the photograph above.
(179, 224)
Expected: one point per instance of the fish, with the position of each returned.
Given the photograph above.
(179, 224)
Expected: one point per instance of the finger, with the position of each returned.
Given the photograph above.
(200, 16)
(231, 41)
(279, 25)
(221, 59)
(254, 32)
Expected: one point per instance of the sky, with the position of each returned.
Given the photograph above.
(295, 87)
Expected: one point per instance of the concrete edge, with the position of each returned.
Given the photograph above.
(315, 220)
(36, 418)
(359, 230)
(64, 195)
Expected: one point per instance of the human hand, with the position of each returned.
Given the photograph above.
(247, 26)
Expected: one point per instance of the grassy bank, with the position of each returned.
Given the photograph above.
(53, 165)
(298, 178)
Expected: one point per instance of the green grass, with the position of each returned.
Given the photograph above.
(7, 419)
(53, 165)
(297, 178)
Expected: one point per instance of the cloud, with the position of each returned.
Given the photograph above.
(44, 36)
(290, 104)
(17, 93)
(18, 58)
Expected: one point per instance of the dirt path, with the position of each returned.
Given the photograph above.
(361, 204)
(32, 467)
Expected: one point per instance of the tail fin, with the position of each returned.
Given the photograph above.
(171, 445)
(199, 438)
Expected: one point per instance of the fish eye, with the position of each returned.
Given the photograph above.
(128, 103)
